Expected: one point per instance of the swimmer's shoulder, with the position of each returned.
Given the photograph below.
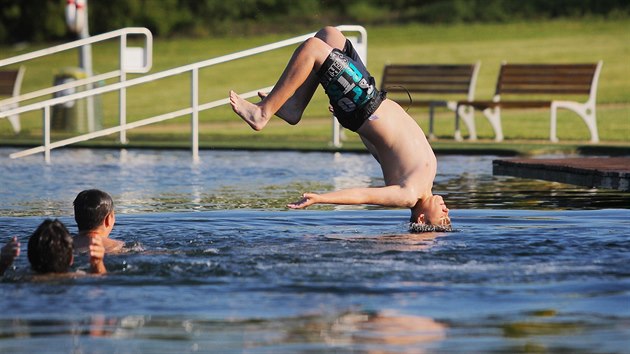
(81, 244)
(114, 246)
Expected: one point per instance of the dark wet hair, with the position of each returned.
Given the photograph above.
(416, 227)
(50, 248)
(91, 207)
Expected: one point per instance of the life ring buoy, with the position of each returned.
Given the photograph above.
(75, 15)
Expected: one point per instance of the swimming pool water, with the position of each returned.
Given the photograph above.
(159, 181)
(215, 263)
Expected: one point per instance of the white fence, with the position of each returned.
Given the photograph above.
(193, 110)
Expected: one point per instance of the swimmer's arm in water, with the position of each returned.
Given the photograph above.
(8, 253)
(391, 196)
(97, 253)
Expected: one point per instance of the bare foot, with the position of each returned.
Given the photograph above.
(289, 112)
(251, 113)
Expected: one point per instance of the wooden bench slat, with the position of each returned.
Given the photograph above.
(402, 76)
(9, 75)
(545, 90)
(6, 89)
(429, 67)
(10, 84)
(7, 82)
(547, 77)
(419, 103)
(414, 85)
(549, 67)
(397, 78)
(545, 82)
(507, 104)
(427, 73)
(422, 78)
(426, 91)
(567, 73)
(410, 85)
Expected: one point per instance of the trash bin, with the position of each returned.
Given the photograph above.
(72, 116)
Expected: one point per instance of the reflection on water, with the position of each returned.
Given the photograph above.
(150, 181)
(366, 331)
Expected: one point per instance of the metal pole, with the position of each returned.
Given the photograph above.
(85, 62)
(47, 134)
(122, 93)
(194, 129)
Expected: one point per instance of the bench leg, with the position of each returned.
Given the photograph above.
(13, 119)
(431, 112)
(494, 117)
(468, 116)
(586, 111)
(458, 133)
(15, 123)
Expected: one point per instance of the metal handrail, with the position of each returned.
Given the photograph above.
(194, 109)
(122, 33)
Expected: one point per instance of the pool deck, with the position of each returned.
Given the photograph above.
(598, 172)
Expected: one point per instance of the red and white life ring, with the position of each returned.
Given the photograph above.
(75, 15)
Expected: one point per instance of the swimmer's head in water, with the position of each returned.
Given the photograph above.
(91, 207)
(429, 215)
(50, 248)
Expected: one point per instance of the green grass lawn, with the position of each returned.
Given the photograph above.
(550, 41)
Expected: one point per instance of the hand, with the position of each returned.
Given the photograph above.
(10, 250)
(97, 253)
(308, 199)
(8, 253)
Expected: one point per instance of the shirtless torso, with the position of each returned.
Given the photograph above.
(401, 148)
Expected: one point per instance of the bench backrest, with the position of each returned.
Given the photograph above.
(560, 79)
(10, 82)
(431, 79)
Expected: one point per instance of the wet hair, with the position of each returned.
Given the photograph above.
(416, 227)
(50, 248)
(443, 225)
(91, 207)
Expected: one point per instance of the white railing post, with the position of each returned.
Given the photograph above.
(194, 127)
(47, 134)
(336, 132)
(122, 93)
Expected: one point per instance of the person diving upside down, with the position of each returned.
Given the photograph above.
(392, 136)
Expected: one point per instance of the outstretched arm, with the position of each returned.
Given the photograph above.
(8, 253)
(392, 196)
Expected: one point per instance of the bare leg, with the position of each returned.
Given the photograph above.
(296, 85)
(293, 109)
